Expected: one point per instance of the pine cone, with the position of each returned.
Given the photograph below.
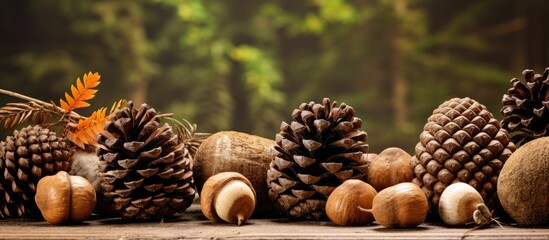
(26, 157)
(524, 107)
(145, 170)
(320, 149)
(461, 142)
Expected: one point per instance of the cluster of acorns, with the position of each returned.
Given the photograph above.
(318, 167)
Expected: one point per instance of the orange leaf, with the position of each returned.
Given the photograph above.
(81, 92)
(64, 104)
(116, 105)
(91, 80)
(87, 131)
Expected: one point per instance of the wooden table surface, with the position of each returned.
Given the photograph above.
(192, 225)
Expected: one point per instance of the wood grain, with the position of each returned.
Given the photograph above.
(192, 225)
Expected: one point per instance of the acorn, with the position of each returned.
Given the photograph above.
(401, 206)
(229, 197)
(342, 205)
(65, 199)
(460, 204)
(389, 167)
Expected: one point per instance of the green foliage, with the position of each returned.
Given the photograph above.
(244, 65)
(314, 22)
(261, 78)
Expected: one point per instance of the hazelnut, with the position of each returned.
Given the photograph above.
(65, 199)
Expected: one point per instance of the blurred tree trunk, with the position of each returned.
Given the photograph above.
(138, 77)
(139, 68)
(400, 85)
(242, 120)
(139, 93)
(537, 35)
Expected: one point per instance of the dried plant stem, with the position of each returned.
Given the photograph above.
(478, 226)
(20, 96)
(30, 99)
(188, 135)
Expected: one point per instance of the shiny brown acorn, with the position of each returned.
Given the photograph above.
(65, 199)
(389, 167)
(229, 197)
(343, 202)
(400, 206)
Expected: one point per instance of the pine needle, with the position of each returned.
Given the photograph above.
(187, 134)
(13, 114)
(51, 105)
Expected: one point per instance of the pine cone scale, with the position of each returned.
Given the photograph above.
(25, 157)
(524, 107)
(146, 172)
(471, 148)
(317, 151)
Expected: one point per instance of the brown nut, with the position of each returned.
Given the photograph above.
(65, 199)
(229, 197)
(229, 151)
(390, 167)
(400, 206)
(343, 202)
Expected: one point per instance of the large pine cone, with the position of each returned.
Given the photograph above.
(26, 157)
(461, 142)
(145, 170)
(525, 107)
(320, 149)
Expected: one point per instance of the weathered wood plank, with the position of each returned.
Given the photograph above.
(192, 225)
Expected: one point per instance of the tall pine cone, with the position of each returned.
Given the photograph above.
(525, 107)
(25, 157)
(461, 142)
(145, 170)
(320, 149)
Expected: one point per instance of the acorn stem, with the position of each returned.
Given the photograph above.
(241, 218)
(364, 209)
(482, 215)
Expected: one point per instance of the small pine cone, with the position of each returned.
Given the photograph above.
(320, 149)
(525, 107)
(461, 142)
(145, 170)
(25, 157)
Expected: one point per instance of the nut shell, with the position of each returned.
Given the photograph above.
(457, 204)
(400, 206)
(53, 197)
(342, 205)
(64, 199)
(229, 197)
(231, 151)
(83, 199)
(523, 184)
(390, 167)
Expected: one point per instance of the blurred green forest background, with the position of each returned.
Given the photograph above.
(244, 65)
